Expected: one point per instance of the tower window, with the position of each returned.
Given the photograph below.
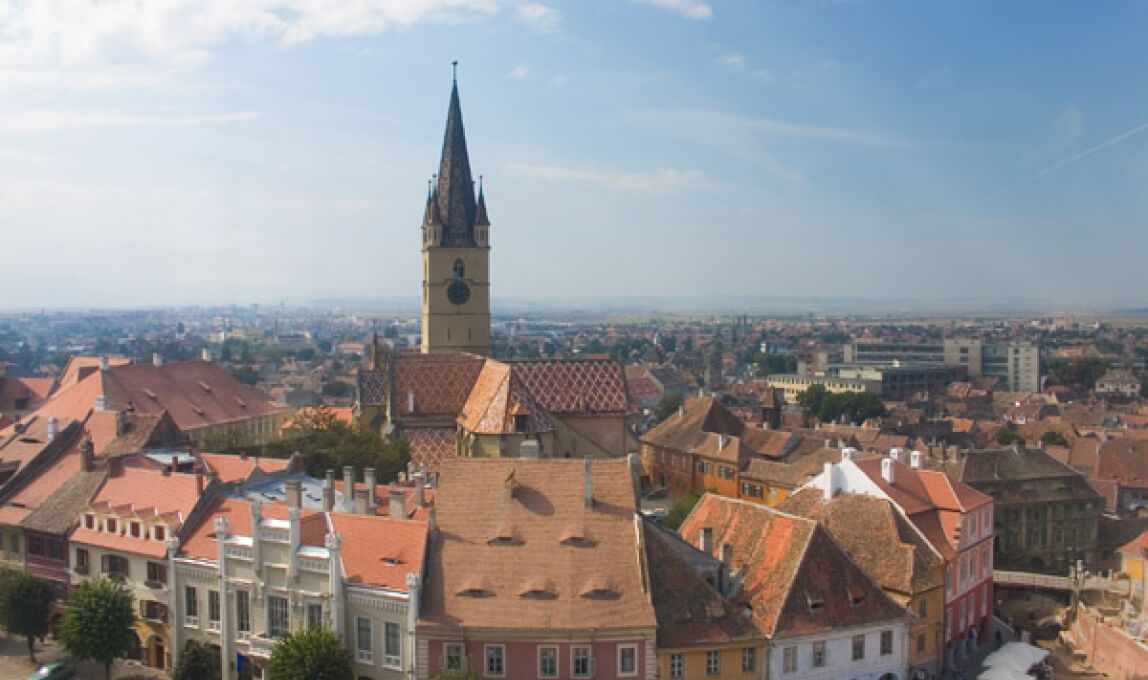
(459, 269)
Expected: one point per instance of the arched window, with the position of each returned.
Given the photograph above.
(459, 269)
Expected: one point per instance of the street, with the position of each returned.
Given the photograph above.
(14, 663)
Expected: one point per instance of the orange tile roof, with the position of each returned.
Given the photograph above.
(497, 395)
(380, 551)
(121, 543)
(200, 542)
(229, 468)
(36, 491)
(142, 489)
(79, 367)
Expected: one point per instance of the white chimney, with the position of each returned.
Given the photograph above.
(827, 488)
(398, 499)
(329, 491)
(588, 486)
(370, 481)
(897, 454)
(529, 448)
(362, 507)
(156, 359)
(103, 363)
(349, 486)
(293, 489)
(206, 354)
(916, 459)
(887, 470)
(101, 402)
(410, 402)
(420, 489)
(53, 428)
(848, 453)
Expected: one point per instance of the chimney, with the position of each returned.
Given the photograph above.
(349, 486)
(121, 422)
(916, 458)
(707, 540)
(103, 363)
(86, 452)
(588, 486)
(828, 489)
(726, 555)
(681, 410)
(529, 448)
(420, 489)
(156, 359)
(101, 402)
(887, 470)
(329, 491)
(294, 491)
(53, 428)
(198, 483)
(897, 454)
(410, 402)
(370, 481)
(205, 354)
(398, 499)
(828, 443)
(848, 453)
(362, 503)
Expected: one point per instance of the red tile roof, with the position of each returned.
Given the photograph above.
(430, 446)
(229, 468)
(379, 551)
(440, 383)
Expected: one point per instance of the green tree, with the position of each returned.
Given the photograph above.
(98, 623)
(810, 400)
(1081, 372)
(245, 375)
(667, 406)
(325, 442)
(769, 363)
(26, 607)
(336, 389)
(315, 654)
(1007, 437)
(1052, 438)
(197, 661)
(681, 510)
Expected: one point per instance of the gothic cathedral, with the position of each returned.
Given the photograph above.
(456, 252)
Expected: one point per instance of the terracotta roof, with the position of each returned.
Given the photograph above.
(584, 387)
(440, 383)
(496, 397)
(1022, 475)
(32, 493)
(1124, 461)
(380, 551)
(140, 490)
(31, 390)
(641, 388)
(876, 535)
(229, 468)
(430, 446)
(797, 579)
(59, 512)
(79, 367)
(508, 527)
(792, 471)
(19, 448)
(200, 539)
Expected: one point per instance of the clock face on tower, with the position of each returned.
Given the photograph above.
(458, 292)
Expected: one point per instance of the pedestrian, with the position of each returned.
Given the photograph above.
(1000, 639)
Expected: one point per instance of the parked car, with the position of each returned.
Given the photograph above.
(53, 671)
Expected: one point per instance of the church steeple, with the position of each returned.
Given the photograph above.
(454, 196)
(481, 220)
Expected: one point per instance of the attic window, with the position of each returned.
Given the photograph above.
(197, 409)
(578, 542)
(600, 594)
(539, 594)
(475, 592)
(242, 404)
(521, 422)
(815, 604)
(205, 386)
(504, 539)
(150, 394)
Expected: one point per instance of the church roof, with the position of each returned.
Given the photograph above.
(454, 197)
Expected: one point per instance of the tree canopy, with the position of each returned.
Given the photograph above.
(680, 510)
(315, 654)
(26, 607)
(854, 407)
(325, 442)
(197, 661)
(1007, 437)
(1053, 438)
(98, 622)
(1081, 372)
(667, 406)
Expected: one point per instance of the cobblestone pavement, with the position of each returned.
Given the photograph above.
(15, 665)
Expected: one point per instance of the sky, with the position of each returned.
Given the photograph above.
(177, 152)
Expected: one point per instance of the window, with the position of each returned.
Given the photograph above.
(110, 525)
(547, 662)
(277, 622)
(363, 636)
(627, 659)
(213, 609)
(921, 642)
(748, 659)
(156, 611)
(115, 565)
(495, 661)
(452, 657)
(858, 647)
(314, 616)
(89, 521)
(789, 660)
(81, 561)
(887, 642)
(243, 611)
(159, 532)
(713, 663)
(818, 657)
(677, 665)
(923, 608)
(157, 572)
(15, 543)
(134, 529)
(392, 650)
(580, 660)
(191, 606)
(35, 545)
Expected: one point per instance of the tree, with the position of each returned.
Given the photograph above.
(325, 442)
(26, 607)
(197, 661)
(98, 622)
(681, 510)
(810, 400)
(1053, 438)
(666, 406)
(336, 389)
(1007, 437)
(245, 375)
(315, 654)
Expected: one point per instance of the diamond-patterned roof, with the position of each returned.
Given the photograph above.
(495, 399)
(440, 383)
(574, 387)
(430, 445)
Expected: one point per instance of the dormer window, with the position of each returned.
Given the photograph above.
(159, 532)
(539, 594)
(89, 521)
(600, 594)
(134, 529)
(816, 604)
(390, 561)
(110, 525)
(521, 422)
(475, 592)
(503, 540)
(578, 542)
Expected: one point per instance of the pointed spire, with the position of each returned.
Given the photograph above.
(455, 193)
(481, 220)
(375, 351)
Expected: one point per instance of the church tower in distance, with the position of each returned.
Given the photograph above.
(456, 251)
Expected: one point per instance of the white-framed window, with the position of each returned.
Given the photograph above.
(213, 610)
(789, 660)
(495, 666)
(817, 658)
(713, 663)
(190, 607)
(581, 664)
(392, 645)
(278, 623)
(886, 642)
(314, 615)
(363, 635)
(677, 665)
(452, 656)
(748, 659)
(243, 611)
(627, 659)
(547, 662)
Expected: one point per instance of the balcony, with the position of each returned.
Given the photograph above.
(261, 645)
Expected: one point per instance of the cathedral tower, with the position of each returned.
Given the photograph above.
(456, 251)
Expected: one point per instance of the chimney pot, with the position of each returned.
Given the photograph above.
(103, 363)
(887, 471)
(156, 359)
(362, 504)
(828, 488)
(588, 486)
(420, 489)
(916, 459)
(707, 541)
(206, 354)
(398, 501)
(349, 486)
(329, 491)
(53, 428)
(370, 482)
(101, 402)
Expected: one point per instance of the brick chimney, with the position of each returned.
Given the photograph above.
(706, 541)
(398, 499)
(294, 491)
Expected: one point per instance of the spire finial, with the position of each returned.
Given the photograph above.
(454, 71)
(480, 182)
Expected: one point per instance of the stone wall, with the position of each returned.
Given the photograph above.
(1109, 649)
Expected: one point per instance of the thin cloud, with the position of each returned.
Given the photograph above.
(690, 9)
(1088, 152)
(540, 18)
(520, 72)
(685, 119)
(658, 181)
(734, 61)
(22, 122)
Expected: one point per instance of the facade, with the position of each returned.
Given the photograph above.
(793, 385)
(247, 573)
(537, 568)
(456, 252)
(901, 380)
(1119, 383)
(954, 517)
(882, 353)
(820, 615)
(1046, 515)
(1016, 363)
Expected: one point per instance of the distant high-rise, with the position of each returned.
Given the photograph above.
(456, 251)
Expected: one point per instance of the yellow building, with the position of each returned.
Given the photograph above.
(794, 385)
(1133, 555)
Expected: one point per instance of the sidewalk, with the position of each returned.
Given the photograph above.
(970, 666)
(15, 665)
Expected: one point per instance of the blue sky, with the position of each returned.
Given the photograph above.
(209, 151)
